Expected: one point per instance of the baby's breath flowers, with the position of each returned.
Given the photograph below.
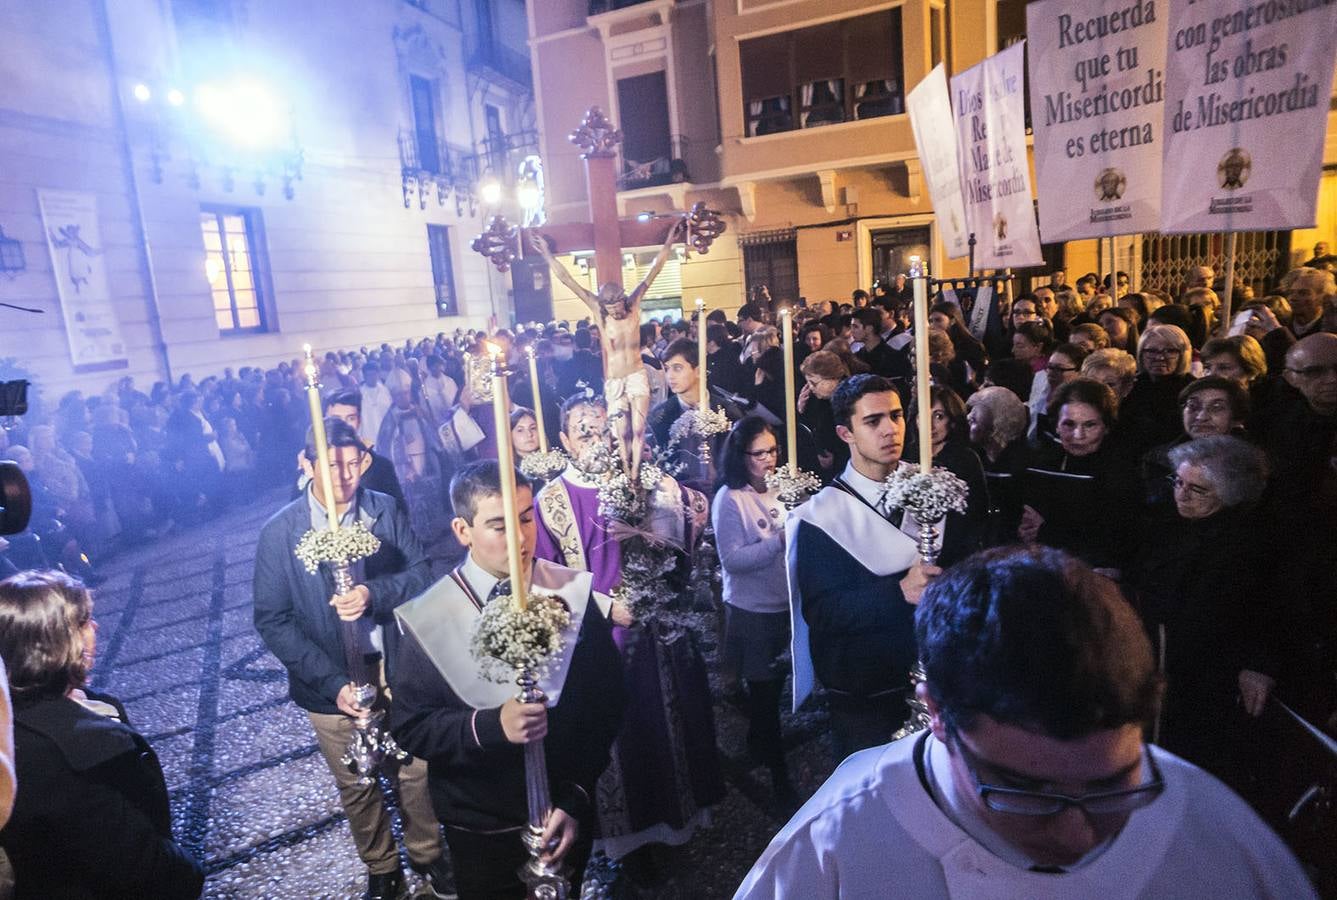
(928, 496)
(793, 485)
(507, 640)
(543, 465)
(342, 547)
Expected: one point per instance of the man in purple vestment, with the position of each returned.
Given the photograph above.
(665, 770)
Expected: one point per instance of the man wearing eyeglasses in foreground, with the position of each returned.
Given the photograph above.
(1033, 779)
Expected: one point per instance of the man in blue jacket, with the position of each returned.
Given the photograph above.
(298, 616)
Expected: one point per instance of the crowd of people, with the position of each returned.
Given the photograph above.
(1152, 458)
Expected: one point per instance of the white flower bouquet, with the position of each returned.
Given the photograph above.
(928, 496)
(342, 547)
(699, 423)
(543, 465)
(507, 640)
(793, 485)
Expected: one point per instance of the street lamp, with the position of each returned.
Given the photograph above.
(490, 192)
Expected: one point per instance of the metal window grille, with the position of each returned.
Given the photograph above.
(771, 258)
(1261, 258)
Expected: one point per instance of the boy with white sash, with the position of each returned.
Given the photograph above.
(471, 731)
(854, 576)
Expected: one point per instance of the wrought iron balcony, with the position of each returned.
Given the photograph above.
(508, 64)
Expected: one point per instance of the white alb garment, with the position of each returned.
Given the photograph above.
(873, 831)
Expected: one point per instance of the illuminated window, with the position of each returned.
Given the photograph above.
(233, 269)
(822, 75)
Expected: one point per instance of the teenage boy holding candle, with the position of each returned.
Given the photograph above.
(683, 373)
(854, 576)
(472, 731)
(298, 617)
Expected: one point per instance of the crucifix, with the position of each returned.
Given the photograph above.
(619, 313)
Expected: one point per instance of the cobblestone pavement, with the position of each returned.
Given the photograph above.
(250, 793)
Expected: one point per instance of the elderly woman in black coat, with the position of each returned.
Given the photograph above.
(1084, 494)
(1206, 593)
(90, 817)
(997, 420)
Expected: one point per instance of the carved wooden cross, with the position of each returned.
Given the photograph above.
(607, 233)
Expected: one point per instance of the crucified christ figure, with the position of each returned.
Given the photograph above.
(626, 389)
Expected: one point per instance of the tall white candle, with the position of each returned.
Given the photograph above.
(538, 401)
(703, 397)
(923, 399)
(791, 413)
(501, 413)
(324, 480)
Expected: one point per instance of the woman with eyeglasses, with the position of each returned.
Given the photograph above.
(91, 817)
(1204, 587)
(820, 451)
(1151, 413)
(1210, 406)
(1064, 365)
(749, 522)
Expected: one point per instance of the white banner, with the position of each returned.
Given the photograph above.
(991, 138)
(1097, 97)
(1246, 107)
(930, 110)
(77, 261)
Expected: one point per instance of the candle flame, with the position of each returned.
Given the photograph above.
(785, 311)
(306, 348)
(700, 304)
(492, 349)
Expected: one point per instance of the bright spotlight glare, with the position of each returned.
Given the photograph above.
(175, 97)
(245, 112)
(142, 93)
(490, 192)
(645, 216)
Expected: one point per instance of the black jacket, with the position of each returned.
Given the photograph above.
(724, 369)
(1208, 593)
(887, 362)
(475, 776)
(91, 818)
(817, 435)
(661, 418)
(292, 607)
(1150, 414)
(1096, 520)
(965, 532)
(861, 630)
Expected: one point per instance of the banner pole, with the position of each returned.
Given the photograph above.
(1228, 293)
(1114, 274)
(971, 244)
